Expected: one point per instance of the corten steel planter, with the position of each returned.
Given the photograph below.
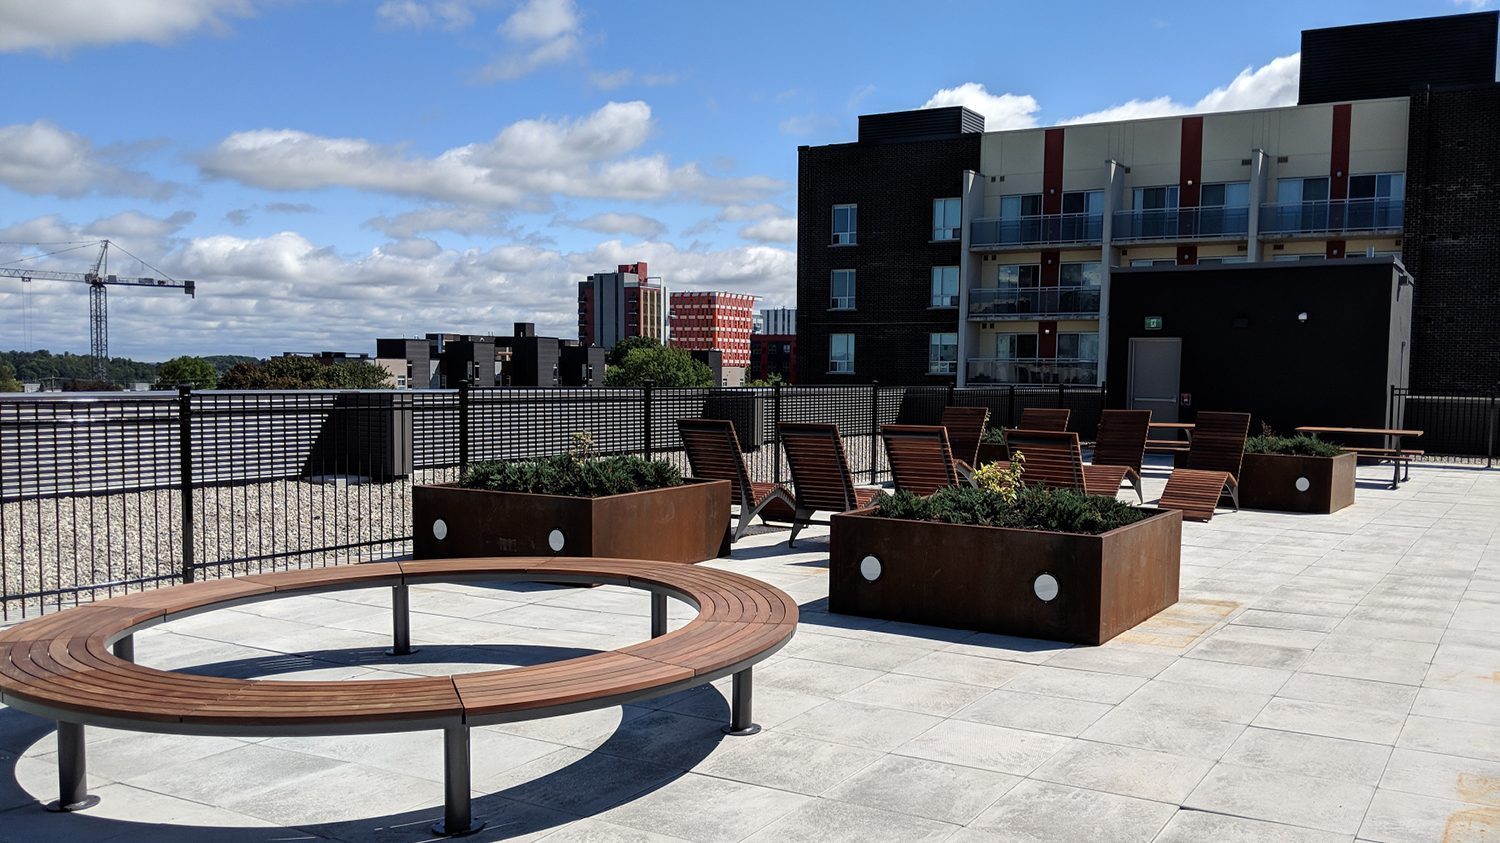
(687, 523)
(996, 579)
(1288, 483)
(992, 452)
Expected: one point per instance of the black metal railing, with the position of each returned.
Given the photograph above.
(1041, 230)
(107, 494)
(1452, 425)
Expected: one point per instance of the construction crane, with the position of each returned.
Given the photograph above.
(99, 282)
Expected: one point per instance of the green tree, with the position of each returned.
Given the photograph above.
(615, 356)
(193, 371)
(661, 366)
(305, 373)
(773, 379)
(8, 382)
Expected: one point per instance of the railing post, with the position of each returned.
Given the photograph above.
(776, 433)
(950, 395)
(185, 476)
(463, 425)
(1010, 408)
(646, 433)
(1489, 451)
(874, 430)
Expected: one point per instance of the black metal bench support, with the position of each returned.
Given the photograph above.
(72, 770)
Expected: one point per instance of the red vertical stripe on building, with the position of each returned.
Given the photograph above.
(1338, 167)
(1052, 171)
(1190, 178)
(1051, 268)
(1046, 339)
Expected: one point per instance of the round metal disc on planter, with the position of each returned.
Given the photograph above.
(869, 568)
(1045, 588)
(556, 540)
(440, 529)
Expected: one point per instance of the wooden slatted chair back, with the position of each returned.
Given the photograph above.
(1044, 418)
(965, 427)
(1052, 458)
(820, 473)
(1122, 437)
(921, 462)
(713, 452)
(1218, 442)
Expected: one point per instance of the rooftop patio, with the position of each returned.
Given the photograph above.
(1325, 677)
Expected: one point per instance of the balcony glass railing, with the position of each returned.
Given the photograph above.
(1033, 370)
(1044, 230)
(1181, 223)
(1034, 303)
(1337, 216)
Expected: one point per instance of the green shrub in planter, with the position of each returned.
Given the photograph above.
(993, 436)
(572, 475)
(1034, 508)
(1300, 445)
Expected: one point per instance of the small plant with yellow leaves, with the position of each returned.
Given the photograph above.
(1002, 478)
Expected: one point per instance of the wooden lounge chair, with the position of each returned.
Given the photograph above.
(1121, 445)
(1212, 468)
(1044, 418)
(965, 427)
(820, 473)
(921, 462)
(713, 452)
(1054, 459)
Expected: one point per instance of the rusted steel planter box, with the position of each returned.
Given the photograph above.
(1288, 483)
(687, 523)
(992, 452)
(988, 578)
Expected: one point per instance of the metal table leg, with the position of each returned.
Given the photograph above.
(72, 770)
(458, 815)
(400, 622)
(741, 721)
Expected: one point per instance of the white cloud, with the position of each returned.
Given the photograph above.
(136, 225)
(1272, 84)
(609, 81)
(427, 220)
(1001, 111)
(55, 25)
(617, 223)
(44, 159)
(528, 159)
(1473, 5)
(415, 14)
(264, 295)
(774, 230)
(542, 32)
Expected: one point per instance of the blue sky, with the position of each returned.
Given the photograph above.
(335, 171)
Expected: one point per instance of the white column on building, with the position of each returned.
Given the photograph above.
(968, 268)
(1258, 167)
(1114, 191)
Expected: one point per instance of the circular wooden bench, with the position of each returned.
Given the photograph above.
(76, 666)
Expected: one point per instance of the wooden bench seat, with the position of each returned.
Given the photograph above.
(75, 667)
(1168, 446)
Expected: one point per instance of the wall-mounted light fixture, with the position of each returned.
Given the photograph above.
(1302, 317)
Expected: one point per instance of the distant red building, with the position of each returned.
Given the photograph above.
(718, 321)
(773, 354)
(613, 306)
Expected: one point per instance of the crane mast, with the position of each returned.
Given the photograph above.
(99, 282)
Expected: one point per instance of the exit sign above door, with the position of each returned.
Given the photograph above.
(1153, 323)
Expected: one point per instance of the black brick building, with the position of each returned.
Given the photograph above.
(901, 163)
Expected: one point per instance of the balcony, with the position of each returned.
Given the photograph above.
(1043, 230)
(1332, 217)
(1196, 223)
(1052, 370)
(1034, 303)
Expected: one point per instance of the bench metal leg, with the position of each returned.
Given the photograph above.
(458, 814)
(741, 721)
(125, 648)
(72, 770)
(658, 615)
(400, 622)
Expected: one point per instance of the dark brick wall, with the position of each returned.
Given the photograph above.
(1452, 239)
(893, 185)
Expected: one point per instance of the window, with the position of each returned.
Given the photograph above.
(1087, 274)
(1027, 205)
(1378, 186)
(1235, 194)
(942, 354)
(944, 286)
(946, 218)
(1078, 346)
(841, 353)
(1020, 275)
(845, 225)
(1293, 191)
(1083, 202)
(1223, 259)
(1286, 258)
(1015, 346)
(1155, 198)
(1153, 262)
(842, 285)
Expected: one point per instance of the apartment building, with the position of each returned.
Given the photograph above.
(933, 251)
(625, 303)
(717, 321)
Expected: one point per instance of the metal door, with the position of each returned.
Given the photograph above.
(1155, 367)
